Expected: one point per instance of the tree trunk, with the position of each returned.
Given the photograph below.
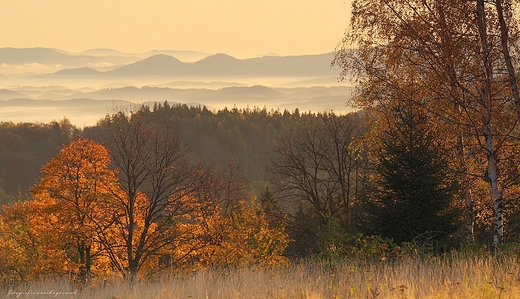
(470, 205)
(88, 264)
(81, 256)
(85, 260)
(486, 103)
(496, 197)
(133, 272)
(504, 39)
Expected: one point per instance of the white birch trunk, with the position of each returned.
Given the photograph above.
(496, 196)
(486, 103)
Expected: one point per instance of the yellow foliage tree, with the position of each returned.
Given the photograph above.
(242, 238)
(75, 193)
(27, 249)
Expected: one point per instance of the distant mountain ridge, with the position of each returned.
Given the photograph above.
(103, 59)
(47, 56)
(20, 56)
(9, 94)
(162, 65)
(110, 63)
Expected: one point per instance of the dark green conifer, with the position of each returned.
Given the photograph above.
(412, 195)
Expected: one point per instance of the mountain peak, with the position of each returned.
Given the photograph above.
(219, 57)
(160, 59)
(102, 52)
(159, 64)
(221, 63)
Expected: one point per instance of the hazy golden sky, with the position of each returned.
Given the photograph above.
(241, 28)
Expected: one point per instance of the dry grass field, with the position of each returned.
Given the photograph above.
(482, 277)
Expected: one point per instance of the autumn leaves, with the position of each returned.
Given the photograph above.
(456, 60)
(131, 207)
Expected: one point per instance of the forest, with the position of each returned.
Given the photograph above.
(177, 187)
(208, 164)
(426, 173)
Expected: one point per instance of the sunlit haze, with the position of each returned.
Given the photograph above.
(83, 59)
(241, 28)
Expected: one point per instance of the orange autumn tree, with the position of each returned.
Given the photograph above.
(27, 250)
(242, 237)
(75, 194)
(249, 239)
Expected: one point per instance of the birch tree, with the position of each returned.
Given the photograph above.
(449, 53)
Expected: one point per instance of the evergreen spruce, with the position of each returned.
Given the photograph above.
(411, 199)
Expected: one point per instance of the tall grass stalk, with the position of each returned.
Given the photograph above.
(455, 277)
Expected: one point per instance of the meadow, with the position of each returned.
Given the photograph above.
(453, 276)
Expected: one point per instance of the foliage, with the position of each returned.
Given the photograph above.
(263, 244)
(39, 237)
(156, 210)
(360, 248)
(74, 194)
(244, 238)
(457, 60)
(29, 246)
(60, 220)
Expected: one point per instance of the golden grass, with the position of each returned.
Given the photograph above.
(465, 278)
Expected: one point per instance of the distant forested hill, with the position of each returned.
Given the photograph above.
(25, 148)
(244, 136)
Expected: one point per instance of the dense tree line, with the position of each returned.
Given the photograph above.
(117, 199)
(24, 148)
(243, 135)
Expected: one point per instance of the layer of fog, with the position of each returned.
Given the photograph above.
(32, 91)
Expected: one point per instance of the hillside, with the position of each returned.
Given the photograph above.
(7, 94)
(75, 72)
(157, 65)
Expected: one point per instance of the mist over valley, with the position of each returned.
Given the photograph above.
(41, 84)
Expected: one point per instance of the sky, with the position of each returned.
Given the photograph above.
(241, 28)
